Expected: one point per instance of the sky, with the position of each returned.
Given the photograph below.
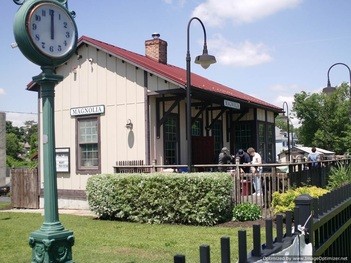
(270, 49)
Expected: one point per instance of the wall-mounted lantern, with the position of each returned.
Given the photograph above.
(129, 124)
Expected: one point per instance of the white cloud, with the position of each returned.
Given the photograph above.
(240, 55)
(216, 12)
(286, 94)
(2, 92)
(18, 119)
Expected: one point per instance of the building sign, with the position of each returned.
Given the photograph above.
(62, 160)
(99, 109)
(232, 104)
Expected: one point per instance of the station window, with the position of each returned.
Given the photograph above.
(217, 134)
(88, 138)
(196, 128)
(171, 139)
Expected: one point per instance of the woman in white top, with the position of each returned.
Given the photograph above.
(256, 159)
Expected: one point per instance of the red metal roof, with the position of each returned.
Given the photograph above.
(175, 74)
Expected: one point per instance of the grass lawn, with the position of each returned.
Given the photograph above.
(5, 205)
(113, 241)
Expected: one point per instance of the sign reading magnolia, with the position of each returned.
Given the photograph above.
(232, 104)
(88, 110)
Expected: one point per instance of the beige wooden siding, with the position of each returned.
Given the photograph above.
(105, 81)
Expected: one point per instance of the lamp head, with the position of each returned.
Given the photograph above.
(129, 124)
(329, 89)
(205, 60)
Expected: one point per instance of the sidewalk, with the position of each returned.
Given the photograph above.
(61, 211)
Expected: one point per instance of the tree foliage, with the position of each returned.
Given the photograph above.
(281, 123)
(13, 146)
(325, 119)
(16, 140)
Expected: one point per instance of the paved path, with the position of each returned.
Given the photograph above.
(78, 212)
(61, 211)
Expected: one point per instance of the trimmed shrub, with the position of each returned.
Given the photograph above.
(283, 202)
(197, 199)
(246, 212)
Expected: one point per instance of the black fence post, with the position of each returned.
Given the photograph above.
(269, 233)
(288, 223)
(304, 203)
(279, 223)
(225, 249)
(179, 259)
(256, 252)
(205, 254)
(296, 219)
(242, 246)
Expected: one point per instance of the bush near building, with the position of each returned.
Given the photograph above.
(195, 199)
(283, 202)
(246, 212)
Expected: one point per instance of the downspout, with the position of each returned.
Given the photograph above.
(147, 119)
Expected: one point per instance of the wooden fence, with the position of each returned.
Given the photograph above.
(244, 190)
(25, 188)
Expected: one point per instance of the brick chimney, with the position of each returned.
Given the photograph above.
(156, 49)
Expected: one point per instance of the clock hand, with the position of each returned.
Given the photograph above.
(52, 24)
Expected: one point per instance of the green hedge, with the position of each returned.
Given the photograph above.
(196, 199)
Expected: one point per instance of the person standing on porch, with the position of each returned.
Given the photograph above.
(313, 157)
(244, 158)
(224, 157)
(256, 159)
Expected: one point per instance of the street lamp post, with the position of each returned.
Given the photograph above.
(205, 60)
(329, 89)
(287, 122)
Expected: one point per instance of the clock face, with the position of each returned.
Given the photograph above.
(51, 29)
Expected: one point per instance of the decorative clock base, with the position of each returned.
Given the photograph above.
(51, 246)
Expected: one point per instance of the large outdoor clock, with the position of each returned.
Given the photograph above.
(45, 32)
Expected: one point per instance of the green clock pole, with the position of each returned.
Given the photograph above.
(52, 243)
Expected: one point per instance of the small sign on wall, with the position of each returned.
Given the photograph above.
(231, 104)
(62, 160)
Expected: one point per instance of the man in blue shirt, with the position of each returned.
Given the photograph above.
(313, 157)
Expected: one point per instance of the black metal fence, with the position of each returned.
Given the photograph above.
(330, 230)
(302, 173)
(327, 222)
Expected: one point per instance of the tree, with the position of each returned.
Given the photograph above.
(325, 119)
(13, 146)
(16, 139)
(281, 123)
(13, 129)
(29, 128)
